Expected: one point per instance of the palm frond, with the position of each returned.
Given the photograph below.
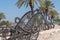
(41, 2)
(19, 3)
(54, 13)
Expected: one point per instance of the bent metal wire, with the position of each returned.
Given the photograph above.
(29, 26)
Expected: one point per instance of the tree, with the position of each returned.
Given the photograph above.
(58, 20)
(7, 23)
(28, 3)
(47, 9)
(50, 11)
(2, 16)
(48, 6)
(53, 14)
(2, 23)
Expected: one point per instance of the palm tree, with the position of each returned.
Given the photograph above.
(28, 3)
(2, 16)
(47, 8)
(49, 5)
(45, 4)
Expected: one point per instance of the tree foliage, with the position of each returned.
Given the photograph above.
(7, 23)
(2, 16)
(53, 14)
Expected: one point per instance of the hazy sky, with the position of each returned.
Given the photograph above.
(9, 8)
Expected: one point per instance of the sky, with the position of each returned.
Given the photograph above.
(11, 11)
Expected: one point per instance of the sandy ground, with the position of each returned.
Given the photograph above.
(52, 34)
